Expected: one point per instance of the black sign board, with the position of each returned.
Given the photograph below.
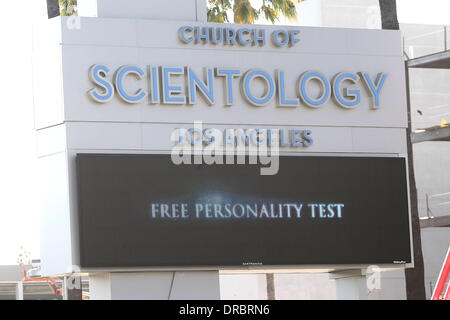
(145, 211)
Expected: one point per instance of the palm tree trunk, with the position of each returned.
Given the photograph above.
(52, 8)
(388, 10)
(415, 282)
(270, 286)
(415, 277)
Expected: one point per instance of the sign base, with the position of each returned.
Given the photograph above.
(191, 285)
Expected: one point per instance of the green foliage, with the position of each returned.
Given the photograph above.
(217, 10)
(245, 12)
(68, 7)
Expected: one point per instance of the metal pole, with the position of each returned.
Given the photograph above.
(19, 290)
(445, 38)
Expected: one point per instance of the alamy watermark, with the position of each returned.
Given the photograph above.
(199, 145)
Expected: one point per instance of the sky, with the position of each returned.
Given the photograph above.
(19, 218)
(425, 12)
(19, 215)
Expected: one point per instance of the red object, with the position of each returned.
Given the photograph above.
(438, 293)
(50, 282)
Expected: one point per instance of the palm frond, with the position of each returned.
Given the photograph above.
(244, 12)
(68, 7)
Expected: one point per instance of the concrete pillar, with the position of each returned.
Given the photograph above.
(350, 284)
(192, 285)
(100, 286)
